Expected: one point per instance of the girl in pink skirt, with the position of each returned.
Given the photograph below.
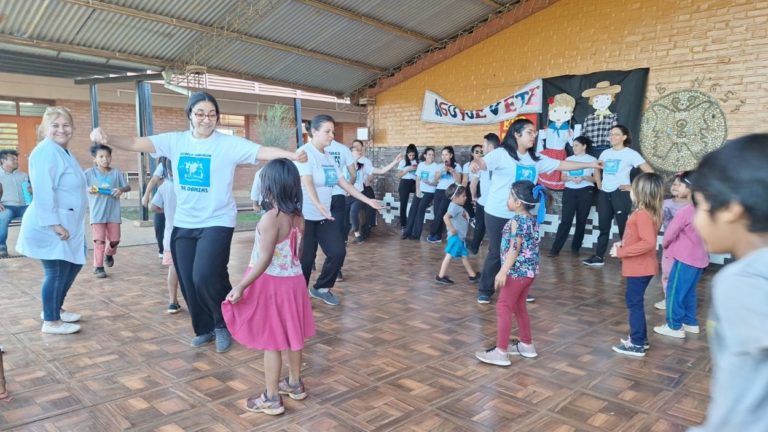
(270, 309)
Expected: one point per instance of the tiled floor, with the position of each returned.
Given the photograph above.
(396, 355)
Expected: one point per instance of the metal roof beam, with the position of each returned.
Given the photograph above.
(370, 21)
(151, 62)
(189, 25)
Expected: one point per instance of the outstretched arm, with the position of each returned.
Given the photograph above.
(391, 165)
(136, 144)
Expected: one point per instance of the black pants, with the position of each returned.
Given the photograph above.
(200, 256)
(324, 233)
(159, 222)
(479, 232)
(493, 226)
(610, 205)
(575, 202)
(441, 206)
(404, 191)
(339, 213)
(370, 212)
(416, 218)
(468, 206)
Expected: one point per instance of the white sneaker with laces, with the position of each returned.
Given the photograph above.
(661, 305)
(523, 350)
(691, 328)
(493, 356)
(666, 330)
(63, 328)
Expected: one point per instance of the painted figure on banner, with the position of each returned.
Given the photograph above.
(558, 135)
(597, 126)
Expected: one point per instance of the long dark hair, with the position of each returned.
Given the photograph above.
(509, 143)
(625, 131)
(281, 186)
(198, 97)
(411, 149)
(453, 155)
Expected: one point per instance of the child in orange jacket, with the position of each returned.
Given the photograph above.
(637, 252)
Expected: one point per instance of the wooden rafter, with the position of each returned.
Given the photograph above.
(189, 25)
(149, 61)
(370, 21)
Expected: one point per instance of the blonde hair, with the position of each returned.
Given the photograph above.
(563, 100)
(648, 193)
(50, 115)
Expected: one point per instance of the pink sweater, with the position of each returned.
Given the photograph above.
(682, 242)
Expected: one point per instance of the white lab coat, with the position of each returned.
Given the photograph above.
(60, 198)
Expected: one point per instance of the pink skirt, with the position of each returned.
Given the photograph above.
(274, 314)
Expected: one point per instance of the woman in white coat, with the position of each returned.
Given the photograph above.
(53, 227)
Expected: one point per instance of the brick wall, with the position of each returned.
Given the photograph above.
(722, 43)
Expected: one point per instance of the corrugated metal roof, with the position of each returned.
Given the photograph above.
(319, 47)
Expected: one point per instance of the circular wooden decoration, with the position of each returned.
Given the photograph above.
(679, 128)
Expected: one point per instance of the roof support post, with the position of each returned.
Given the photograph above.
(297, 117)
(144, 127)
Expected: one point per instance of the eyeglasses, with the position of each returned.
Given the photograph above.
(478, 152)
(212, 116)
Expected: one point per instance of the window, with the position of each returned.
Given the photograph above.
(230, 124)
(9, 136)
(23, 107)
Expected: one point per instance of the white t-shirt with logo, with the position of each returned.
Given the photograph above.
(342, 157)
(410, 175)
(426, 172)
(484, 177)
(204, 170)
(504, 171)
(446, 178)
(586, 172)
(364, 173)
(618, 164)
(325, 175)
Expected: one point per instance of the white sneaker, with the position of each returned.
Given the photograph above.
(524, 350)
(691, 329)
(68, 317)
(493, 356)
(662, 305)
(667, 331)
(64, 328)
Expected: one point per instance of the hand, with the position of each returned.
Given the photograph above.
(500, 279)
(625, 188)
(419, 195)
(145, 200)
(474, 167)
(235, 295)
(411, 168)
(375, 204)
(453, 231)
(61, 232)
(99, 136)
(2, 207)
(116, 192)
(301, 157)
(597, 164)
(326, 214)
(615, 250)
(257, 208)
(577, 179)
(399, 157)
(93, 189)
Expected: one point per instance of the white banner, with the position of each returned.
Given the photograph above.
(525, 101)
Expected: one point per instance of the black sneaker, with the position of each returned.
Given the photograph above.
(530, 299)
(552, 254)
(445, 280)
(476, 278)
(109, 260)
(594, 261)
(99, 272)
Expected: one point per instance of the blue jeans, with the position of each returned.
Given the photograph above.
(681, 295)
(57, 279)
(636, 286)
(6, 216)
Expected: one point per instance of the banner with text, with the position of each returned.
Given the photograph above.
(527, 100)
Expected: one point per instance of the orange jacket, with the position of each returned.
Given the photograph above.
(638, 251)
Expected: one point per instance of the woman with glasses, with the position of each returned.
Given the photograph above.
(515, 160)
(466, 177)
(204, 162)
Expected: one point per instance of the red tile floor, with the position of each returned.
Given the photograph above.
(396, 355)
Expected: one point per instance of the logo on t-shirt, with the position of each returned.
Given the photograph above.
(336, 158)
(526, 173)
(576, 173)
(331, 176)
(612, 166)
(424, 176)
(194, 172)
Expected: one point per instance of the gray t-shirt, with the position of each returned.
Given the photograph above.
(459, 219)
(739, 345)
(104, 207)
(12, 187)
